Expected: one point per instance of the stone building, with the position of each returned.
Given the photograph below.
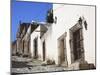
(26, 40)
(23, 38)
(69, 39)
(19, 36)
(36, 35)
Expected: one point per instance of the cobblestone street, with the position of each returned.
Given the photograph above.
(27, 65)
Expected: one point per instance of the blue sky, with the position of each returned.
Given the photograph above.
(26, 12)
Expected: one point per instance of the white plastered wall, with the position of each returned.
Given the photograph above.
(67, 16)
(34, 35)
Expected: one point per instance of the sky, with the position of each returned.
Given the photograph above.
(26, 12)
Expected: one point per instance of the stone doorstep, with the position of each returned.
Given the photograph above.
(64, 64)
(81, 66)
(74, 66)
(86, 66)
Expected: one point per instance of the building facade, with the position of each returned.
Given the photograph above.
(70, 39)
(67, 37)
(22, 31)
(23, 37)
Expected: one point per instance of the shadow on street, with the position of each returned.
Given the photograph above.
(19, 64)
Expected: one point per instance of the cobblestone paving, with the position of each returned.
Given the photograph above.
(27, 65)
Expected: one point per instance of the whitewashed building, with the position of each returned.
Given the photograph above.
(69, 40)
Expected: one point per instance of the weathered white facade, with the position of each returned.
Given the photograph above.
(56, 43)
(67, 17)
(35, 36)
(26, 42)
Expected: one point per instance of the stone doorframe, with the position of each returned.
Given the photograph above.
(72, 30)
(62, 37)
